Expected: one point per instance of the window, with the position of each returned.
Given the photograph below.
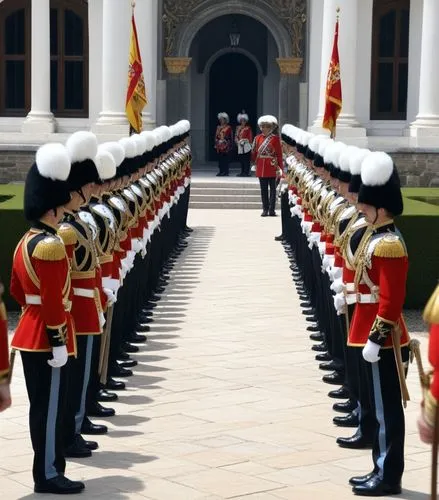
(15, 19)
(390, 50)
(69, 58)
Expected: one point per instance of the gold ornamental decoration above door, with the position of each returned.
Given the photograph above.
(291, 14)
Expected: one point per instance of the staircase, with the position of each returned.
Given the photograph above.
(225, 193)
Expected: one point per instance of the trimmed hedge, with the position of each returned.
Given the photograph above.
(419, 224)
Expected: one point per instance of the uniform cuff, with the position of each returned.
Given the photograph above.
(380, 330)
(57, 335)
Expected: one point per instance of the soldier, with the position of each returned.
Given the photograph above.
(223, 144)
(377, 325)
(5, 393)
(267, 156)
(40, 283)
(79, 232)
(244, 140)
(428, 418)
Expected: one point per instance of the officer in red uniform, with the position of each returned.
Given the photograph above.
(40, 283)
(267, 156)
(426, 421)
(223, 144)
(5, 394)
(244, 140)
(377, 327)
(78, 233)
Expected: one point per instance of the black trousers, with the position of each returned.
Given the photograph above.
(46, 387)
(285, 213)
(223, 163)
(79, 370)
(385, 393)
(268, 200)
(244, 159)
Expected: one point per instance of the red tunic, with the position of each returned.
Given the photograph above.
(433, 357)
(243, 133)
(40, 283)
(223, 139)
(381, 291)
(267, 155)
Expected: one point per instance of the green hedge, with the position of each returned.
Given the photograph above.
(419, 224)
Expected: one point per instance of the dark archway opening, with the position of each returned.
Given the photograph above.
(233, 87)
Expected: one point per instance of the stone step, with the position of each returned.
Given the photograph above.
(252, 184)
(221, 191)
(232, 205)
(224, 197)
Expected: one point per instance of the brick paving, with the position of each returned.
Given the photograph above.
(227, 399)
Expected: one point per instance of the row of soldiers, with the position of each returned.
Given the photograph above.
(350, 264)
(107, 222)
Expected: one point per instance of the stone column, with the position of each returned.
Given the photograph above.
(347, 124)
(40, 119)
(177, 103)
(147, 19)
(289, 95)
(116, 21)
(427, 120)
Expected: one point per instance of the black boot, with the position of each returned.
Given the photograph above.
(355, 442)
(334, 378)
(350, 420)
(341, 393)
(104, 396)
(114, 385)
(127, 347)
(356, 480)
(97, 410)
(376, 487)
(89, 427)
(129, 363)
(59, 485)
(77, 449)
(119, 371)
(323, 356)
(345, 407)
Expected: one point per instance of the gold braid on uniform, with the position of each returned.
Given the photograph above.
(390, 247)
(50, 248)
(67, 234)
(431, 311)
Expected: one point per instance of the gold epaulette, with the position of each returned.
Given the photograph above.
(50, 248)
(390, 247)
(67, 234)
(431, 311)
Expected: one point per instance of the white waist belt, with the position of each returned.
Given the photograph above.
(34, 300)
(351, 298)
(84, 292)
(367, 298)
(350, 287)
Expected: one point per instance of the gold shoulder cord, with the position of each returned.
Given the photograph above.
(360, 256)
(345, 236)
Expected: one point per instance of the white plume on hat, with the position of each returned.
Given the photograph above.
(115, 149)
(185, 126)
(105, 164)
(324, 145)
(306, 137)
(140, 143)
(53, 161)
(267, 119)
(242, 116)
(81, 146)
(356, 160)
(148, 136)
(345, 158)
(129, 147)
(376, 169)
(223, 115)
(314, 143)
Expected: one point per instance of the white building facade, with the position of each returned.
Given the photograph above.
(63, 66)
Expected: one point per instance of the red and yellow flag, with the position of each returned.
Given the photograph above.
(334, 99)
(136, 94)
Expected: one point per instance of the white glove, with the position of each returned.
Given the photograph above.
(111, 296)
(339, 303)
(101, 319)
(337, 286)
(60, 356)
(336, 273)
(370, 352)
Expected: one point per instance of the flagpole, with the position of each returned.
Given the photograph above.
(337, 19)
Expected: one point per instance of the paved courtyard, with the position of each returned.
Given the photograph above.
(227, 399)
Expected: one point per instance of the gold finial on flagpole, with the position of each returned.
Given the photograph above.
(338, 13)
(133, 3)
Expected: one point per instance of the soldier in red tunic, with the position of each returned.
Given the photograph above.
(223, 144)
(377, 326)
(267, 156)
(426, 421)
(244, 140)
(5, 394)
(40, 283)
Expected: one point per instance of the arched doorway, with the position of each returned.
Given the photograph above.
(233, 87)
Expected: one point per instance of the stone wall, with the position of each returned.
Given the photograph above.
(415, 169)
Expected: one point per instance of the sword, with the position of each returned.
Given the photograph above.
(396, 337)
(105, 346)
(11, 365)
